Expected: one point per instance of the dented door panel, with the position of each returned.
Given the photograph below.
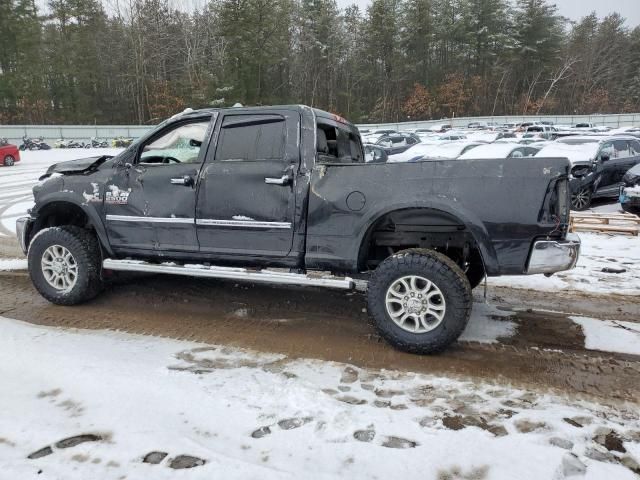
(151, 207)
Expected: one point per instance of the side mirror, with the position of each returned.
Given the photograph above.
(195, 143)
(605, 157)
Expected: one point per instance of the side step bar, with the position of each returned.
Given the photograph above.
(231, 273)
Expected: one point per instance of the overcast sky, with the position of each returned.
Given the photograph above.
(573, 9)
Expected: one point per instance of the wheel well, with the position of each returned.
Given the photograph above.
(57, 214)
(419, 228)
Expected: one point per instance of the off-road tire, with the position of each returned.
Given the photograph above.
(9, 161)
(85, 249)
(446, 275)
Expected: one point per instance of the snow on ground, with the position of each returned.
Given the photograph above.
(16, 182)
(610, 336)
(598, 251)
(251, 415)
(607, 208)
(488, 324)
(12, 264)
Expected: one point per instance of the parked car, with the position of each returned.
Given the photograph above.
(500, 150)
(598, 164)
(545, 132)
(430, 151)
(450, 137)
(522, 127)
(488, 136)
(437, 138)
(437, 128)
(477, 126)
(266, 191)
(630, 191)
(397, 142)
(9, 154)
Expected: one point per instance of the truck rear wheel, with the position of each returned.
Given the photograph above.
(64, 265)
(420, 301)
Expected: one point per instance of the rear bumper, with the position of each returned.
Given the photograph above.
(23, 229)
(551, 256)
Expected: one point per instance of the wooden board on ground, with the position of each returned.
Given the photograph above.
(606, 218)
(624, 223)
(601, 228)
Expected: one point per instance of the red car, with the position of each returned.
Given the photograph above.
(9, 155)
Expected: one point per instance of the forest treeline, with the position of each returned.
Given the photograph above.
(138, 61)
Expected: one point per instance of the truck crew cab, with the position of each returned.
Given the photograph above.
(283, 195)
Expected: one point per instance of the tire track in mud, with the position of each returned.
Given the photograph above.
(329, 325)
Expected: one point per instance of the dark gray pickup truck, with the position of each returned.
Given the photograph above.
(282, 195)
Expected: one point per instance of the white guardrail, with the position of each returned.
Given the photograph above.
(50, 133)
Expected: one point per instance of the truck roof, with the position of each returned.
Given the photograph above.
(296, 108)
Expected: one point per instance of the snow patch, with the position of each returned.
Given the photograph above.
(12, 264)
(251, 415)
(487, 324)
(610, 336)
(632, 191)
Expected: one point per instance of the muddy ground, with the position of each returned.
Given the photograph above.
(547, 353)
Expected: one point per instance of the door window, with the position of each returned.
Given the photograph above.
(181, 144)
(635, 148)
(621, 149)
(251, 138)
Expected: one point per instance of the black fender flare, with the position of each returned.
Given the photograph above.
(93, 216)
(473, 224)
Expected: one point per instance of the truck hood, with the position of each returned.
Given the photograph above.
(75, 167)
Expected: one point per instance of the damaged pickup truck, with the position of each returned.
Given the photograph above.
(283, 195)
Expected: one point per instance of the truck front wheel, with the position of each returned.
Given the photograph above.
(64, 265)
(420, 300)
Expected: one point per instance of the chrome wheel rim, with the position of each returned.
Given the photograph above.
(59, 268)
(580, 199)
(415, 304)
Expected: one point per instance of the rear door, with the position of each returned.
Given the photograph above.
(246, 199)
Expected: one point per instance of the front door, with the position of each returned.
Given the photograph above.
(246, 200)
(621, 158)
(150, 203)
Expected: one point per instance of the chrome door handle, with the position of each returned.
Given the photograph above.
(186, 180)
(283, 180)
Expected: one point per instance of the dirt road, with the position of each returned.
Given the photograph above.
(547, 352)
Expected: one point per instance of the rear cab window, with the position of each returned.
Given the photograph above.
(337, 143)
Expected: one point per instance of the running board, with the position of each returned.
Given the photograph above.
(231, 273)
